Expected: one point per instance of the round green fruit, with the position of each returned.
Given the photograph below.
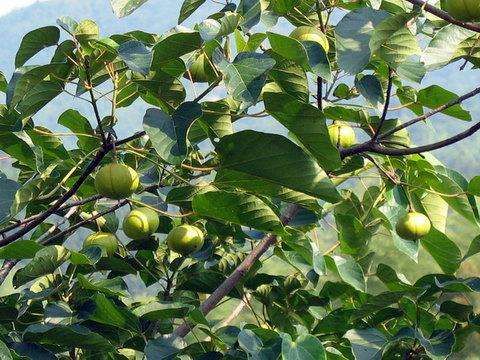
(106, 241)
(116, 181)
(413, 226)
(185, 239)
(310, 33)
(342, 135)
(140, 223)
(465, 10)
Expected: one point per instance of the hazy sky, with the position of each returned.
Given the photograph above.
(7, 6)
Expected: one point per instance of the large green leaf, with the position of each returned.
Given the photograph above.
(66, 337)
(175, 45)
(78, 124)
(17, 148)
(20, 249)
(276, 159)
(162, 311)
(46, 261)
(102, 310)
(367, 344)
(435, 96)
(34, 41)
(393, 41)
(305, 347)
(352, 38)
(245, 76)
(168, 134)
(308, 124)
(348, 270)
(136, 56)
(123, 8)
(445, 252)
(352, 234)
(237, 208)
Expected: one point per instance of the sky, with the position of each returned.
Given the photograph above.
(7, 6)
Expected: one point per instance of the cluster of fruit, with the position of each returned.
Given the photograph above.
(118, 181)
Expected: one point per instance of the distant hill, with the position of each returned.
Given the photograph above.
(159, 16)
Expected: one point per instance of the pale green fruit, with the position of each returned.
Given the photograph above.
(116, 181)
(413, 226)
(185, 239)
(106, 241)
(140, 223)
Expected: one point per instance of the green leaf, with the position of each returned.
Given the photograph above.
(371, 89)
(3, 83)
(352, 234)
(305, 347)
(234, 179)
(458, 312)
(109, 287)
(17, 148)
(309, 55)
(251, 11)
(34, 41)
(20, 249)
(474, 186)
(168, 134)
(367, 344)
(162, 349)
(66, 337)
(290, 79)
(308, 124)
(79, 124)
(136, 56)
(175, 45)
(245, 76)
(439, 346)
(188, 8)
(348, 270)
(46, 261)
(5, 353)
(448, 44)
(275, 159)
(215, 122)
(445, 252)
(393, 41)
(7, 196)
(123, 8)
(474, 248)
(352, 38)
(104, 311)
(237, 208)
(162, 311)
(435, 96)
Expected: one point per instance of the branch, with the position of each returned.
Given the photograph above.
(385, 107)
(444, 15)
(431, 113)
(58, 204)
(379, 149)
(207, 90)
(94, 104)
(229, 283)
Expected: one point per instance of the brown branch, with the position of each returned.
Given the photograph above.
(444, 15)
(229, 283)
(431, 113)
(89, 85)
(56, 206)
(385, 107)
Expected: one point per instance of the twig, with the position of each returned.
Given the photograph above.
(385, 107)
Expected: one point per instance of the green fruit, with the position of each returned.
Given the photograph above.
(185, 239)
(413, 226)
(106, 241)
(342, 135)
(465, 10)
(116, 181)
(310, 33)
(140, 223)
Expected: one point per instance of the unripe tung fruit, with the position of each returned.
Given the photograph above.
(116, 181)
(185, 239)
(342, 135)
(413, 226)
(465, 10)
(106, 241)
(140, 223)
(310, 33)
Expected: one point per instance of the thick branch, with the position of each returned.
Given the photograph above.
(229, 283)
(444, 15)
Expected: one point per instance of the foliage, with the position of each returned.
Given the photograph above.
(250, 195)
